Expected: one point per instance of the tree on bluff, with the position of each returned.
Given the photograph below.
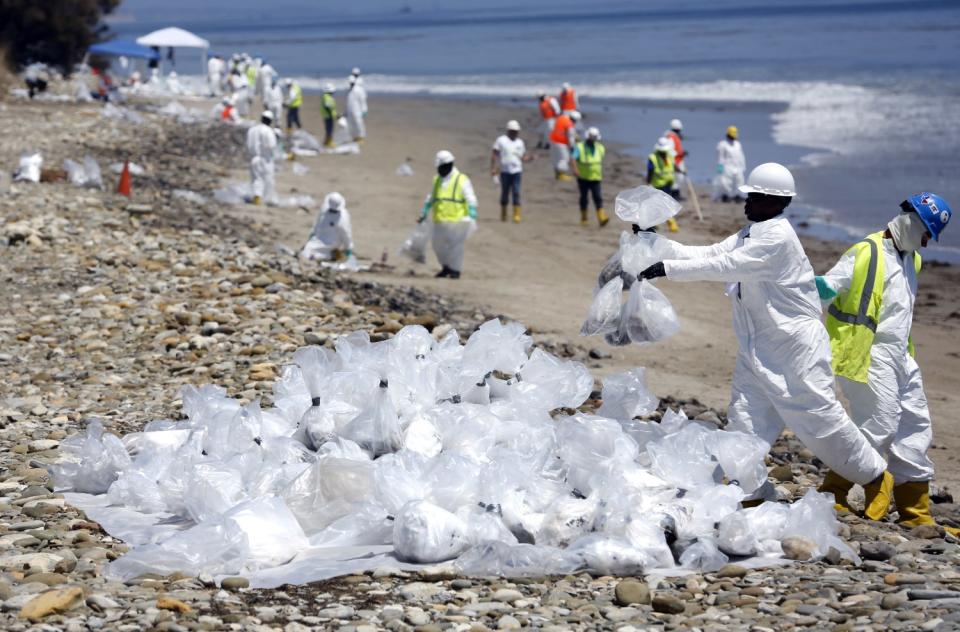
(56, 32)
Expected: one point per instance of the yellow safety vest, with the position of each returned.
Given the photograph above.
(328, 106)
(252, 75)
(662, 170)
(590, 164)
(447, 200)
(296, 96)
(853, 315)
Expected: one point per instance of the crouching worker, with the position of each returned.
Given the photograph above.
(332, 236)
(783, 375)
(454, 207)
(872, 290)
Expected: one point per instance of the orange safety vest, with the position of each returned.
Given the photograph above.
(559, 133)
(227, 113)
(568, 100)
(546, 109)
(673, 136)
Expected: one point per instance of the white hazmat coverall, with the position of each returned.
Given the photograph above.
(450, 238)
(356, 110)
(783, 373)
(331, 232)
(733, 163)
(274, 101)
(891, 407)
(262, 145)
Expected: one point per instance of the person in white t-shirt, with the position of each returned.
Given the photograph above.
(510, 151)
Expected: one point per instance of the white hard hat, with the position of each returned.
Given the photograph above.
(663, 144)
(575, 116)
(593, 133)
(771, 178)
(355, 72)
(335, 201)
(675, 124)
(541, 93)
(444, 157)
(288, 81)
(267, 114)
(513, 126)
(566, 86)
(328, 87)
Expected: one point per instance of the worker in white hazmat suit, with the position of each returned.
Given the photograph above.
(454, 206)
(332, 236)
(262, 148)
(731, 165)
(356, 109)
(274, 99)
(872, 291)
(215, 68)
(265, 78)
(783, 374)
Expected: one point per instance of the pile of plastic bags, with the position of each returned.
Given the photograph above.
(415, 450)
(84, 175)
(647, 315)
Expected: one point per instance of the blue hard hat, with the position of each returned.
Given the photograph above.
(933, 210)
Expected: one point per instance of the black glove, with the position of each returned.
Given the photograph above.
(653, 272)
(421, 219)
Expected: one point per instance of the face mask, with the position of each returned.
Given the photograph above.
(443, 170)
(907, 230)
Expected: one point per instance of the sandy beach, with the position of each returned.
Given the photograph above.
(542, 271)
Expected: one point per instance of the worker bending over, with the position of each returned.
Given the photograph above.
(549, 111)
(454, 207)
(587, 163)
(262, 147)
(510, 151)
(783, 374)
(332, 236)
(562, 138)
(873, 290)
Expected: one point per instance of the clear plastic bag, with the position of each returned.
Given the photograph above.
(703, 556)
(415, 247)
(625, 395)
(404, 170)
(545, 382)
(29, 169)
(425, 533)
(377, 428)
(499, 559)
(753, 531)
(94, 460)
(648, 315)
(604, 314)
(85, 175)
(645, 206)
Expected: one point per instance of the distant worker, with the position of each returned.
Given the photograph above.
(873, 289)
(239, 87)
(660, 172)
(328, 109)
(265, 77)
(355, 73)
(293, 102)
(675, 135)
(356, 109)
(454, 207)
(262, 147)
(225, 111)
(562, 138)
(549, 111)
(731, 165)
(511, 152)
(273, 99)
(569, 102)
(215, 69)
(332, 236)
(587, 163)
(783, 375)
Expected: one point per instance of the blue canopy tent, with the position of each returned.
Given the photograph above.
(124, 48)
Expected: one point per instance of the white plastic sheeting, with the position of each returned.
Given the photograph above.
(416, 450)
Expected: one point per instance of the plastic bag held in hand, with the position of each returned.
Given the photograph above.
(415, 247)
(648, 314)
(645, 206)
(604, 314)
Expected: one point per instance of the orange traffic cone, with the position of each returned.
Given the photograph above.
(124, 187)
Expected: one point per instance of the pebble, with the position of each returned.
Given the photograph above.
(630, 591)
(235, 583)
(507, 595)
(901, 579)
(798, 548)
(733, 570)
(668, 604)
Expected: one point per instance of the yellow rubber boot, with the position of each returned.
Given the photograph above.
(516, 214)
(913, 505)
(834, 484)
(877, 496)
(256, 199)
(503, 212)
(672, 225)
(602, 217)
(583, 218)
(563, 177)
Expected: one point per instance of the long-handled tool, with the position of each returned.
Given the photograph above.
(693, 196)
